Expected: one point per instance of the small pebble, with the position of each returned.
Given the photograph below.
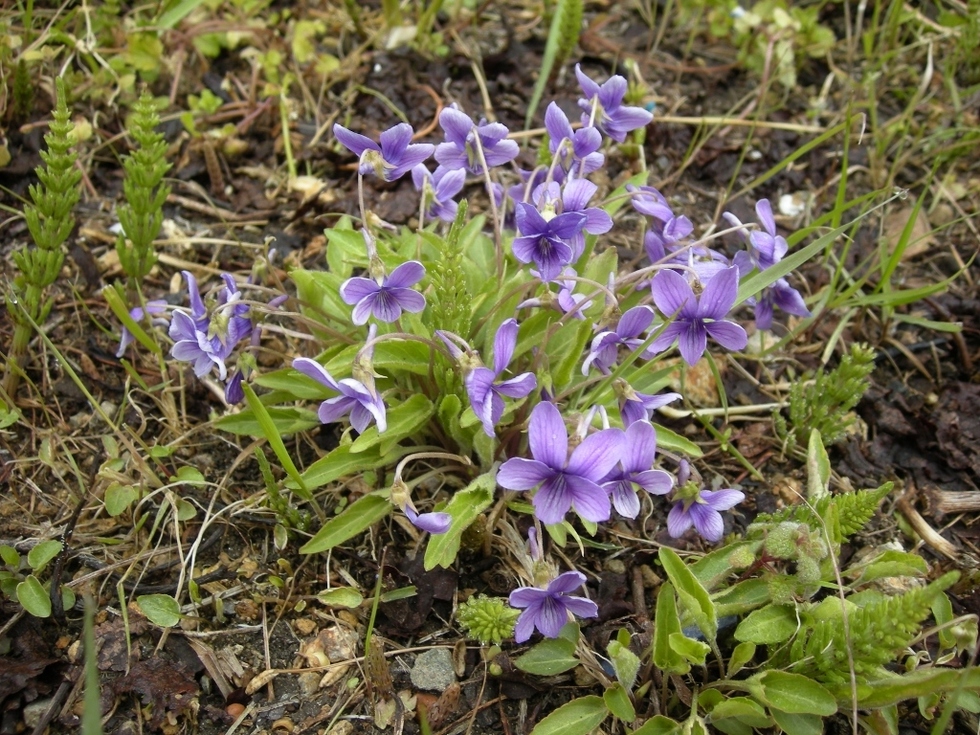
(304, 626)
(433, 670)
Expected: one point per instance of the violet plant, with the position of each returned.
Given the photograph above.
(562, 432)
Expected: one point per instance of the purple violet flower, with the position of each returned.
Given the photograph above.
(635, 468)
(391, 160)
(208, 340)
(765, 249)
(435, 523)
(635, 406)
(481, 383)
(576, 150)
(612, 118)
(565, 482)
(460, 149)
(385, 299)
(547, 609)
(699, 508)
(695, 318)
(154, 307)
(605, 345)
(551, 199)
(566, 300)
(359, 400)
(438, 190)
(546, 242)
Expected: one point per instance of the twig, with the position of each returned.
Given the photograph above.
(927, 533)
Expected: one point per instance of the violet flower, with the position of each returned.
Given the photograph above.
(765, 249)
(460, 149)
(576, 150)
(699, 508)
(154, 308)
(566, 300)
(386, 298)
(438, 190)
(205, 338)
(401, 496)
(481, 383)
(391, 160)
(635, 468)
(359, 400)
(612, 117)
(695, 318)
(546, 242)
(635, 406)
(547, 609)
(565, 482)
(434, 523)
(605, 345)
(551, 199)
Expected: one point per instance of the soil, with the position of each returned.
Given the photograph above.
(918, 425)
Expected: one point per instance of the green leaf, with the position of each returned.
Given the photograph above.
(176, 12)
(798, 724)
(744, 709)
(565, 348)
(625, 663)
(286, 420)
(891, 563)
(693, 596)
(188, 475)
(695, 652)
(578, 717)
(10, 557)
(8, 416)
(742, 597)
(618, 702)
(319, 292)
(464, 507)
(549, 657)
(402, 593)
(403, 421)
(743, 653)
(272, 435)
(659, 725)
(667, 623)
(714, 567)
(40, 555)
(119, 497)
(345, 249)
(408, 355)
(341, 597)
(671, 441)
(162, 610)
(341, 463)
(68, 598)
(770, 624)
(792, 693)
(922, 682)
(34, 598)
(356, 518)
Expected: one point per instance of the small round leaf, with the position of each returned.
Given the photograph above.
(162, 610)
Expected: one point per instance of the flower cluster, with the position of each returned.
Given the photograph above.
(552, 381)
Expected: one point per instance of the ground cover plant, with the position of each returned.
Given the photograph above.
(395, 384)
